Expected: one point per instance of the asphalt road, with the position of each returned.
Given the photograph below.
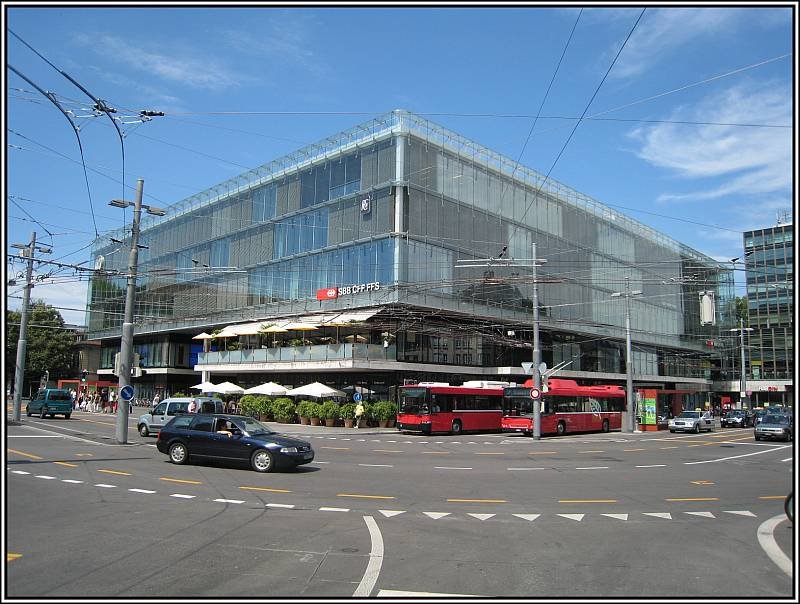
(382, 513)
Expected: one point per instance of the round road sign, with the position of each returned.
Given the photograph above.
(126, 393)
(356, 396)
(535, 393)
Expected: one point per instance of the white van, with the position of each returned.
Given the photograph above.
(168, 408)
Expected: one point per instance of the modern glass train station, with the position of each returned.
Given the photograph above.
(398, 250)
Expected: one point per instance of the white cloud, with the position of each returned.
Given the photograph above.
(183, 67)
(755, 161)
(663, 30)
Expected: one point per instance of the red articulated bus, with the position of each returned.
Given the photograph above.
(566, 407)
(430, 407)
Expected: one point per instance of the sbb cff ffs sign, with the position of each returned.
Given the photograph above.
(331, 293)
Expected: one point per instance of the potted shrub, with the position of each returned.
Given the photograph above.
(283, 409)
(384, 411)
(263, 407)
(330, 411)
(315, 413)
(348, 414)
(247, 405)
(303, 410)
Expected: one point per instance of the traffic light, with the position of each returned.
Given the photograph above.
(84, 375)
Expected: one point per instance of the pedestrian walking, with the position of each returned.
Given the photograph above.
(359, 413)
(192, 406)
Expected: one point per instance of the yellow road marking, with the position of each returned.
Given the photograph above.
(773, 497)
(694, 445)
(477, 501)
(264, 489)
(122, 473)
(695, 499)
(91, 421)
(591, 451)
(587, 501)
(668, 447)
(64, 463)
(634, 449)
(489, 453)
(702, 482)
(10, 556)
(337, 448)
(365, 496)
(543, 453)
(436, 453)
(387, 451)
(31, 455)
(177, 480)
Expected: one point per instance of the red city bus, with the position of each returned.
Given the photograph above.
(430, 407)
(566, 407)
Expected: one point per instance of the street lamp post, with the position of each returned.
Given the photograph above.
(628, 424)
(22, 343)
(126, 346)
(743, 377)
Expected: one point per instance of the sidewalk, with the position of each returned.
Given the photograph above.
(325, 431)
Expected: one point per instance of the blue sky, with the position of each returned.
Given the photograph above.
(702, 184)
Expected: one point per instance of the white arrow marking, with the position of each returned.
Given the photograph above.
(141, 491)
(436, 515)
(666, 515)
(528, 517)
(703, 514)
(280, 505)
(740, 512)
(481, 516)
(617, 516)
(229, 500)
(577, 517)
(390, 513)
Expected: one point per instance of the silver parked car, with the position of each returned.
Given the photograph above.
(156, 419)
(692, 421)
(778, 426)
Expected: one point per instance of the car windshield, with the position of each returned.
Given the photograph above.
(690, 414)
(253, 427)
(775, 419)
(59, 395)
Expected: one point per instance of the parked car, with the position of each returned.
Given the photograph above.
(245, 440)
(737, 419)
(692, 421)
(154, 420)
(777, 426)
(50, 401)
(758, 415)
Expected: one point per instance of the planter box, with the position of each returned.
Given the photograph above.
(383, 423)
(348, 423)
(315, 421)
(304, 421)
(330, 423)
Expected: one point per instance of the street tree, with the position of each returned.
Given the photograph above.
(50, 347)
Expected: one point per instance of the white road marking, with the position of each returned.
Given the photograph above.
(449, 468)
(393, 593)
(617, 516)
(323, 509)
(523, 469)
(665, 515)
(141, 491)
(19, 472)
(692, 463)
(482, 516)
(375, 465)
(45, 477)
(179, 496)
(36, 436)
(72, 481)
(703, 514)
(528, 517)
(594, 468)
(577, 517)
(767, 541)
(656, 465)
(288, 506)
(740, 512)
(436, 515)
(370, 577)
(787, 459)
(229, 500)
(106, 486)
(390, 513)
(320, 462)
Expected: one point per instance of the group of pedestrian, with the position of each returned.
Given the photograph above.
(91, 402)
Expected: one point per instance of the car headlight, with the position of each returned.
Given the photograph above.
(288, 449)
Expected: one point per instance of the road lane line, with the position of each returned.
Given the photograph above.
(375, 465)
(435, 453)
(692, 463)
(591, 451)
(386, 451)
(31, 455)
(692, 499)
(594, 468)
(365, 496)
(477, 501)
(394, 593)
(281, 505)
(66, 464)
(106, 486)
(766, 540)
(264, 489)
(523, 469)
(449, 468)
(370, 577)
(543, 453)
(72, 481)
(229, 500)
(45, 477)
(115, 472)
(325, 509)
(634, 449)
(180, 496)
(587, 501)
(662, 448)
(181, 481)
(141, 491)
(773, 497)
(655, 465)
(19, 472)
(10, 556)
(336, 448)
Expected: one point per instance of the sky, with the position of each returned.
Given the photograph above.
(689, 133)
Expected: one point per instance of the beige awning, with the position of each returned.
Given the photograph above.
(301, 326)
(301, 323)
(203, 336)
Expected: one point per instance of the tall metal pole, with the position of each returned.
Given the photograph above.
(126, 347)
(743, 377)
(629, 415)
(22, 342)
(537, 356)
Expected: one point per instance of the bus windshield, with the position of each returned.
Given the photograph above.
(414, 401)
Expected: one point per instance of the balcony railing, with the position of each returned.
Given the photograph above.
(289, 354)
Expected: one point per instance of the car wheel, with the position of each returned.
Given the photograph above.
(561, 428)
(262, 461)
(672, 431)
(28, 411)
(456, 427)
(43, 413)
(697, 428)
(143, 431)
(605, 425)
(67, 415)
(758, 437)
(178, 454)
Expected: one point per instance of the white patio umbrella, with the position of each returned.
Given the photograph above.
(270, 389)
(227, 388)
(203, 336)
(316, 390)
(204, 387)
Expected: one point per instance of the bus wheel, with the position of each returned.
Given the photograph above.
(456, 427)
(527, 433)
(561, 429)
(605, 425)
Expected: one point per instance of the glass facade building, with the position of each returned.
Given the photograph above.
(385, 214)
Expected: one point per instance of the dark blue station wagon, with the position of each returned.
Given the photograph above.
(233, 438)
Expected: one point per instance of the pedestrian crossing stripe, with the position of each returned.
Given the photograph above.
(482, 516)
(390, 513)
(665, 515)
(704, 514)
(436, 515)
(577, 517)
(617, 516)
(528, 517)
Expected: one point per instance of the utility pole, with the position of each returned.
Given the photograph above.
(743, 377)
(628, 424)
(126, 347)
(22, 343)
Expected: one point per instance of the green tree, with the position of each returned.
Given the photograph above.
(49, 346)
(741, 309)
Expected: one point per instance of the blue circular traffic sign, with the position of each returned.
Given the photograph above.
(126, 393)
(356, 396)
